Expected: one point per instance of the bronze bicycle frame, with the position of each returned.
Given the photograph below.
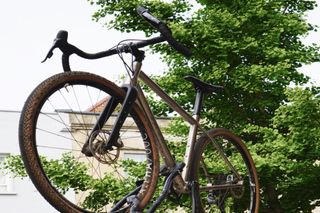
(181, 180)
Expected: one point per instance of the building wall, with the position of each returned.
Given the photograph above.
(22, 196)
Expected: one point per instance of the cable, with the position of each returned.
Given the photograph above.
(124, 46)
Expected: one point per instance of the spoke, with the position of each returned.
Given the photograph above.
(90, 162)
(72, 111)
(96, 170)
(132, 148)
(79, 108)
(129, 127)
(58, 148)
(93, 103)
(131, 137)
(114, 167)
(62, 136)
(52, 133)
(67, 128)
(59, 121)
(79, 143)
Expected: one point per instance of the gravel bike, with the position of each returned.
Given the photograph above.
(90, 145)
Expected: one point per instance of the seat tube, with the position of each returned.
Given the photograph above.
(192, 135)
(198, 103)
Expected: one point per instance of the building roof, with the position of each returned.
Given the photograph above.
(98, 107)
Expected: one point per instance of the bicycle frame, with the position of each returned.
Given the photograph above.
(180, 181)
(193, 122)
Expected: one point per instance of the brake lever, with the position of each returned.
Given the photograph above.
(50, 52)
(61, 37)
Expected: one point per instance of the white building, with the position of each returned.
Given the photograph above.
(17, 195)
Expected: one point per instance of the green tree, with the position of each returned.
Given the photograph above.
(58, 170)
(254, 49)
(251, 47)
(287, 155)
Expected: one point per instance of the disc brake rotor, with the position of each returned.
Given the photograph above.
(96, 143)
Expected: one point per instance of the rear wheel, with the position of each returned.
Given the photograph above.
(223, 187)
(57, 119)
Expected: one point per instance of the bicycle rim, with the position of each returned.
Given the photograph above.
(223, 188)
(56, 120)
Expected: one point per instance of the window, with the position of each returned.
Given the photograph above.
(6, 182)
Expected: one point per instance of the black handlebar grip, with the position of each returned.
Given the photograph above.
(141, 10)
(148, 17)
(164, 30)
(179, 47)
(62, 35)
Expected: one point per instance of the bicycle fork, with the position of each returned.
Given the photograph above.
(131, 95)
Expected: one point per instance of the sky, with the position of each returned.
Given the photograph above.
(27, 32)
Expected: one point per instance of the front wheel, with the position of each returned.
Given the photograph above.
(55, 123)
(226, 174)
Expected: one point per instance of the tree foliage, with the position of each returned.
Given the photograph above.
(287, 154)
(108, 190)
(80, 180)
(254, 49)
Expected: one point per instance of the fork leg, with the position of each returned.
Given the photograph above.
(104, 116)
(125, 109)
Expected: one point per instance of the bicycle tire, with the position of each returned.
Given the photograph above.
(210, 170)
(44, 136)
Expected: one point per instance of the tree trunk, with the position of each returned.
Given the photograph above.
(274, 204)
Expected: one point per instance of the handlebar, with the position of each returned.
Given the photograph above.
(61, 42)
